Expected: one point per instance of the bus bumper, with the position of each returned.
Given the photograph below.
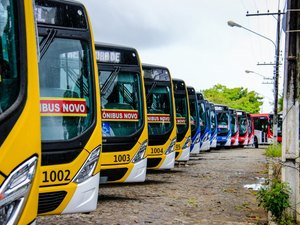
(169, 162)
(196, 149)
(213, 143)
(85, 197)
(205, 146)
(235, 142)
(138, 172)
(185, 155)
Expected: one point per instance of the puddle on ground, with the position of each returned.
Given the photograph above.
(261, 183)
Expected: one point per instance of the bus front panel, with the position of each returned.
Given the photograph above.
(234, 127)
(19, 114)
(183, 140)
(124, 125)
(224, 129)
(70, 120)
(161, 118)
(213, 126)
(243, 128)
(194, 123)
(205, 126)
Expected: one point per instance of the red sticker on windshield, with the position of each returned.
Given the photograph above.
(180, 121)
(158, 118)
(63, 107)
(120, 115)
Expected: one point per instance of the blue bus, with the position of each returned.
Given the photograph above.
(213, 126)
(224, 130)
(204, 123)
(195, 121)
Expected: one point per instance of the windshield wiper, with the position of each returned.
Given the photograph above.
(109, 81)
(46, 42)
(153, 85)
(150, 89)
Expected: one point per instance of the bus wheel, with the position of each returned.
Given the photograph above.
(255, 142)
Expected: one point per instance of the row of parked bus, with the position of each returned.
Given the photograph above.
(74, 114)
(222, 126)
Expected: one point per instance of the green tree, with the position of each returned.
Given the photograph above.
(236, 98)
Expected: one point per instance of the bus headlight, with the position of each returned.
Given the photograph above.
(88, 167)
(171, 147)
(187, 143)
(141, 152)
(15, 190)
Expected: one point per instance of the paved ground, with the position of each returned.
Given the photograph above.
(208, 190)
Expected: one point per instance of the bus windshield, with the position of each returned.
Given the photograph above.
(181, 113)
(121, 102)
(233, 123)
(159, 108)
(261, 123)
(66, 89)
(202, 116)
(194, 115)
(9, 74)
(213, 121)
(243, 124)
(223, 119)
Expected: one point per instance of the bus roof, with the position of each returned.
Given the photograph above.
(151, 66)
(114, 54)
(164, 76)
(191, 88)
(220, 107)
(260, 114)
(200, 96)
(110, 45)
(177, 82)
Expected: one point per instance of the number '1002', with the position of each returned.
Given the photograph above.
(56, 176)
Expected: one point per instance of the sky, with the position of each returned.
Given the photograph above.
(192, 39)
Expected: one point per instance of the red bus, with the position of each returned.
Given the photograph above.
(250, 129)
(234, 127)
(243, 127)
(263, 128)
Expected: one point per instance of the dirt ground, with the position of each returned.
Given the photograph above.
(208, 190)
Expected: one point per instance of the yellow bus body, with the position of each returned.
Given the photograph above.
(81, 197)
(157, 152)
(134, 172)
(182, 148)
(23, 140)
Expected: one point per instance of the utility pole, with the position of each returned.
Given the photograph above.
(276, 73)
(290, 132)
(276, 77)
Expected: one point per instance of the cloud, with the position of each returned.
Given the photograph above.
(139, 23)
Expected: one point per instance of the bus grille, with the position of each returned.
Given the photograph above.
(59, 157)
(50, 201)
(153, 162)
(113, 174)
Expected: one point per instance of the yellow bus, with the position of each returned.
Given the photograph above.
(183, 142)
(20, 142)
(123, 110)
(161, 117)
(69, 107)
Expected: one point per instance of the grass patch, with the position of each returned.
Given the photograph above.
(274, 151)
